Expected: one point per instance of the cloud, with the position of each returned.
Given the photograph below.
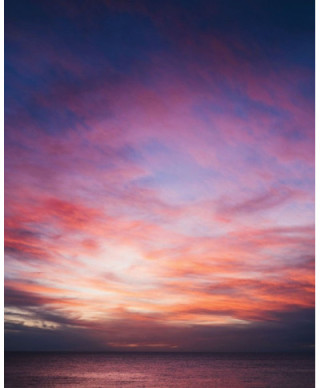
(159, 177)
(292, 331)
(262, 202)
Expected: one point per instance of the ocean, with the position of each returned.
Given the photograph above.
(219, 370)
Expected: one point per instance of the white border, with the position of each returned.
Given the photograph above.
(317, 207)
(2, 184)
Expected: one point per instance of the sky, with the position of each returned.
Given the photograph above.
(159, 175)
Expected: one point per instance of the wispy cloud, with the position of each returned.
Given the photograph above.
(159, 177)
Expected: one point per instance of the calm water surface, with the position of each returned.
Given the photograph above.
(228, 370)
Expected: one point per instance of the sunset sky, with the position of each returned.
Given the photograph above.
(159, 175)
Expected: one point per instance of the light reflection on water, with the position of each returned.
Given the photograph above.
(159, 370)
